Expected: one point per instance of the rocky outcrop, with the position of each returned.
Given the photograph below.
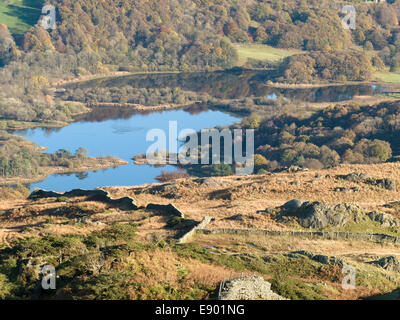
(96, 194)
(389, 263)
(357, 177)
(236, 217)
(209, 183)
(385, 220)
(293, 205)
(354, 177)
(164, 188)
(328, 260)
(247, 288)
(345, 189)
(168, 190)
(388, 184)
(319, 215)
(168, 209)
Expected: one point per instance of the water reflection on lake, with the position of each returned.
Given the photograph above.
(118, 135)
(122, 132)
(234, 85)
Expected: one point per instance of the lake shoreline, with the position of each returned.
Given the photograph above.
(22, 125)
(284, 85)
(110, 75)
(90, 164)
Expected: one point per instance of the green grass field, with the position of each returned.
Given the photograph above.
(20, 15)
(388, 77)
(262, 53)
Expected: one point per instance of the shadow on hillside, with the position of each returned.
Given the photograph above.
(29, 16)
(394, 295)
(33, 3)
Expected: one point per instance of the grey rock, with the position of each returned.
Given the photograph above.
(345, 189)
(354, 177)
(328, 260)
(168, 209)
(388, 184)
(389, 263)
(209, 183)
(318, 215)
(392, 204)
(385, 219)
(164, 188)
(342, 189)
(385, 183)
(237, 217)
(248, 288)
(293, 205)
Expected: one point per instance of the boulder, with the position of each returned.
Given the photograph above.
(328, 260)
(168, 209)
(389, 263)
(293, 205)
(236, 217)
(209, 183)
(164, 188)
(354, 177)
(386, 183)
(345, 189)
(248, 288)
(385, 219)
(319, 215)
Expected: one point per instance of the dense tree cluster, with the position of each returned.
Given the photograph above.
(339, 134)
(153, 35)
(8, 48)
(94, 37)
(316, 66)
(142, 35)
(129, 94)
(20, 157)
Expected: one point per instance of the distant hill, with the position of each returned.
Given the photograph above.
(99, 37)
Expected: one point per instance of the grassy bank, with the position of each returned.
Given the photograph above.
(262, 52)
(386, 76)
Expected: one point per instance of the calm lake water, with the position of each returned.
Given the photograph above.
(234, 85)
(122, 133)
(122, 138)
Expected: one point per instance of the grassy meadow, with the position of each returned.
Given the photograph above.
(20, 15)
(262, 52)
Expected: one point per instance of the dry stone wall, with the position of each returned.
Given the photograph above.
(325, 235)
(100, 195)
(187, 236)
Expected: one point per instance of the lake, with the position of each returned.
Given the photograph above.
(122, 132)
(121, 137)
(233, 85)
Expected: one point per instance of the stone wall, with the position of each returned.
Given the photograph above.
(187, 236)
(325, 235)
(100, 195)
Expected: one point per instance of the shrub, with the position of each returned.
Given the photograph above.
(221, 169)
